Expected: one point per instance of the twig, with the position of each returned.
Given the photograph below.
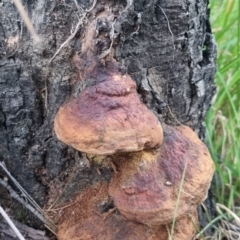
(11, 224)
(173, 54)
(26, 20)
(105, 53)
(173, 115)
(139, 20)
(169, 28)
(73, 175)
(14, 195)
(2, 164)
(68, 39)
(75, 31)
(35, 208)
(65, 43)
(129, 5)
(93, 5)
(78, 6)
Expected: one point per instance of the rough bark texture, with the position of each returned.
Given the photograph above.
(165, 46)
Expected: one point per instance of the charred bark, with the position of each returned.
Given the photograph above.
(165, 46)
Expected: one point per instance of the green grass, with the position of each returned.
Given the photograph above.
(223, 119)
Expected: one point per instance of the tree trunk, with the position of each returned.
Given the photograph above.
(165, 46)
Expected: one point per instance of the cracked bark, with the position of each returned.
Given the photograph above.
(174, 79)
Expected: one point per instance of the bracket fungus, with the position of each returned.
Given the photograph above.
(148, 184)
(107, 118)
(155, 167)
(162, 173)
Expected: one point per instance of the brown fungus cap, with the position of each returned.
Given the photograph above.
(107, 118)
(148, 183)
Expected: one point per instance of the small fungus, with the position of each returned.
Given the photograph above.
(108, 117)
(148, 184)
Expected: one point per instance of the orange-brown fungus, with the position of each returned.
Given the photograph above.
(107, 118)
(148, 183)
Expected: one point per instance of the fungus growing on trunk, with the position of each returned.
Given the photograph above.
(148, 184)
(153, 173)
(107, 118)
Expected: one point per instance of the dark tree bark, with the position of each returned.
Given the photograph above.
(32, 234)
(165, 46)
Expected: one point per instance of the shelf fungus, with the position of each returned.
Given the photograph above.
(161, 174)
(108, 117)
(149, 183)
(151, 190)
